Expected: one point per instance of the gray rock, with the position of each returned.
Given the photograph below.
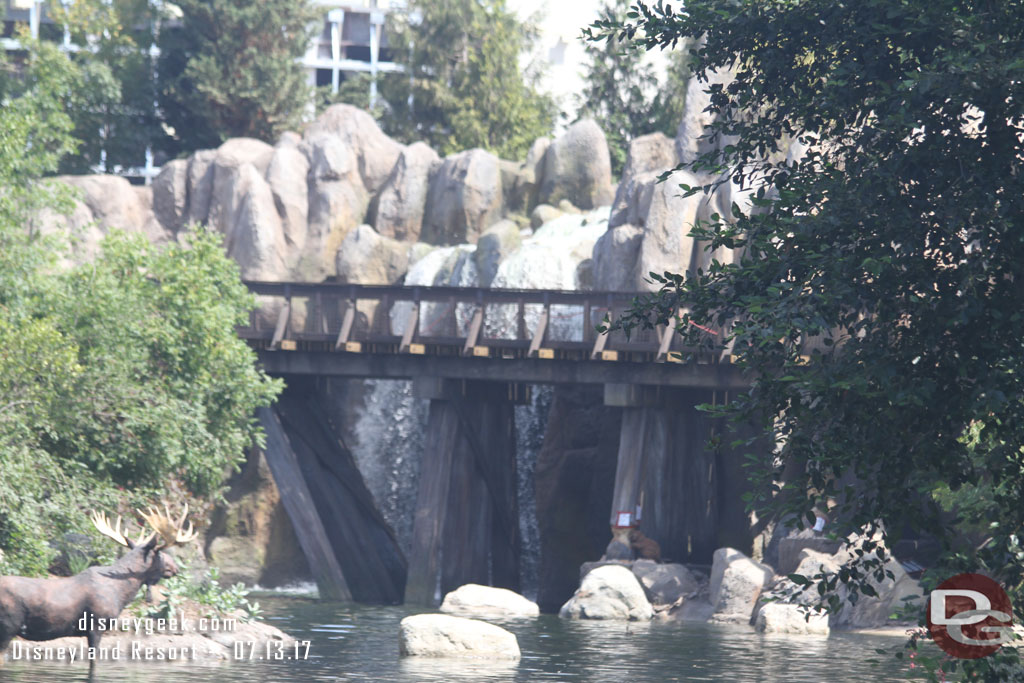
(690, 140)
(497, 242)
(577, 168)
(398, 211)
(200, 184)
(791, 547)
(465, 197)
(375, 152)
(472, 600)
(664, 584)
(649, 155)
(255, 238)
(441, 635)
(736, 584)
(791, 620)
(367, 258)
(521, 181)
(543, 213)
(170, 195)
(227, 191)
(615, 259)
(287, 175)
(337, 205)
(608, 592)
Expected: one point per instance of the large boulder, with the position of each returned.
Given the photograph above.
(666, 244)
(521, 181)
(615, 259)
(170, 195)
(255, 235)
(473, 600)
(200, 184)
(337, 204)
(375, 152)
(609, 592)
(791, 548)
(649, 155)
(736, 583)
(497, 242)
(398, 211)
(367, 258)
(577, 167)
(103, 203)
(441, 635)
(229, 187)
(465, 197)
(287, 175)
(666, 583)
(776, 617)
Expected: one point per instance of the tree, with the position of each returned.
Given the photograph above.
(623, 93)
(124, 373)
(113, 101)
(894, 241)
(463, 86)
(231, 69)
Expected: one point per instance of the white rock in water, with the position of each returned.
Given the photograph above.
(474, 600)
(776, 617)
(736, 584)
(440, 635)
(608, 592)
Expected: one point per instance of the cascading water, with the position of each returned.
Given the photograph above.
(390, 428)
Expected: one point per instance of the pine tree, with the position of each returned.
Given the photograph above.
(622, 90)
(463, 75)
(231, 69)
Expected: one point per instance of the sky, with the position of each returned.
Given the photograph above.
(560, 23)
(560, 44)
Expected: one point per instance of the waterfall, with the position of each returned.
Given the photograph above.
(390, 427)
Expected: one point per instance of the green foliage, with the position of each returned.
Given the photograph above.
(622, 91)
(895, 241)
(213, 599)
(231, 69)
(463, 76)
(123, 373)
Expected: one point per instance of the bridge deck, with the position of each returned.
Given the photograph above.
(530, 336)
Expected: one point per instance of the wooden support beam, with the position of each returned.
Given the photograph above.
(346, 324)
(630, 469)
(431, 504)
(540, 332)
(600, 342)
(298, 503)
(283, 316)
(474, 331)
(411, 324)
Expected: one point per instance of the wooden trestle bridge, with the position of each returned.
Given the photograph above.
(474, 353)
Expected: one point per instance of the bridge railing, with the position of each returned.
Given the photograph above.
(457, 320)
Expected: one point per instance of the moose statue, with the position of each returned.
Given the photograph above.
(44, 609)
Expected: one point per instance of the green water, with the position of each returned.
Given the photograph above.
(358, 643)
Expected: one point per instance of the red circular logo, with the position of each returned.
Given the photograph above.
(969, 616)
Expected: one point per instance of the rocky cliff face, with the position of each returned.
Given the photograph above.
(343, 201)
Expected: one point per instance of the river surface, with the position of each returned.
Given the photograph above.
(359, 643)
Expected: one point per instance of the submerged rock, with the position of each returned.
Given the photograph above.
(441, 635)
(474, 600)
(609, 592)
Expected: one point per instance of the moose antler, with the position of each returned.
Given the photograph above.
(172, 533)
(102, 524)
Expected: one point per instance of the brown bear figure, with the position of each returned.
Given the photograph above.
(645, 548)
